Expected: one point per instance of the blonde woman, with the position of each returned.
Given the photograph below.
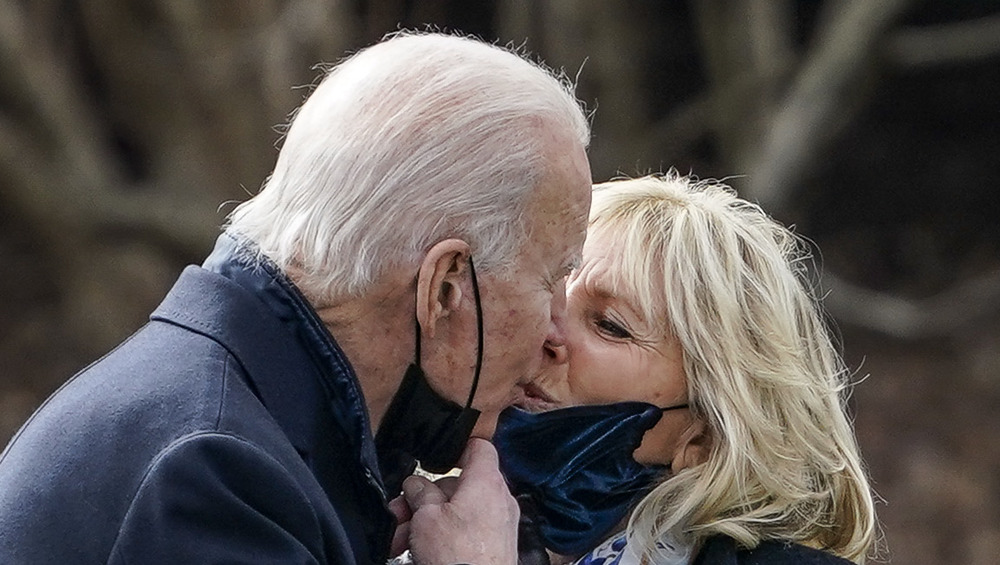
(703, 394)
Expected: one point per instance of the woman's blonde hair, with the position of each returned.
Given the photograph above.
(762, 371)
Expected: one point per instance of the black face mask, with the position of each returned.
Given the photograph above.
(576, 466)
(421, 425)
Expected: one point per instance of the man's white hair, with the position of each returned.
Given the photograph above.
(419, 138)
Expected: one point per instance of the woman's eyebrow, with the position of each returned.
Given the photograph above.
(621, 300)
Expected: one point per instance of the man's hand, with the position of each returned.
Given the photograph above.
(401, 538)
(471, 519)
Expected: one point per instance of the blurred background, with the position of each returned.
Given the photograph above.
(872, 126)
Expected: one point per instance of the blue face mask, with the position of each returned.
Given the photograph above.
(576, 466)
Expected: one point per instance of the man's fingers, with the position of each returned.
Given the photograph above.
(400, 509)
(471, 518)
(448, 485)
(400, 540)
(477, 521)
(419, 492)
(480, 472)
(478, 454)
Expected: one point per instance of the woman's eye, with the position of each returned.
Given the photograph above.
(613, 329)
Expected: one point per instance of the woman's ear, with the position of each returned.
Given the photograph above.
(439, 282)
(693, 447)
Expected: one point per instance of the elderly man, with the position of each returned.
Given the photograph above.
(396, 283)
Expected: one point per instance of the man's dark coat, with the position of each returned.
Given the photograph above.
(228, 429)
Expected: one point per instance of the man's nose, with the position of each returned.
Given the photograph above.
(558, 353)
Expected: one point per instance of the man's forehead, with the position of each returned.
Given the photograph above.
(560, 207)
(559, 214)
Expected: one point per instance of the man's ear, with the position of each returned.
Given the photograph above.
(693, 446)
(439, 282)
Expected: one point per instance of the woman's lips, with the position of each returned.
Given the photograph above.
(535, 399)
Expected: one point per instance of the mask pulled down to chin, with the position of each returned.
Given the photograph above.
(421, 425)
(576, 466)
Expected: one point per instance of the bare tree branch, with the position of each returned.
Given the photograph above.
(57, 205)
(308, 32)
(770, 25)
(28, 194)
(944, 314)
(45, 84)
(74, 186)
(807, 120)
(944, 44)
(594, 34)
(748, 53)
(776, 142)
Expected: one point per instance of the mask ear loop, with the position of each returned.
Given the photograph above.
(479, 334)
(667, 409)
(416, 350)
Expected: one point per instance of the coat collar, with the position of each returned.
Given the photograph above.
(251, 308)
